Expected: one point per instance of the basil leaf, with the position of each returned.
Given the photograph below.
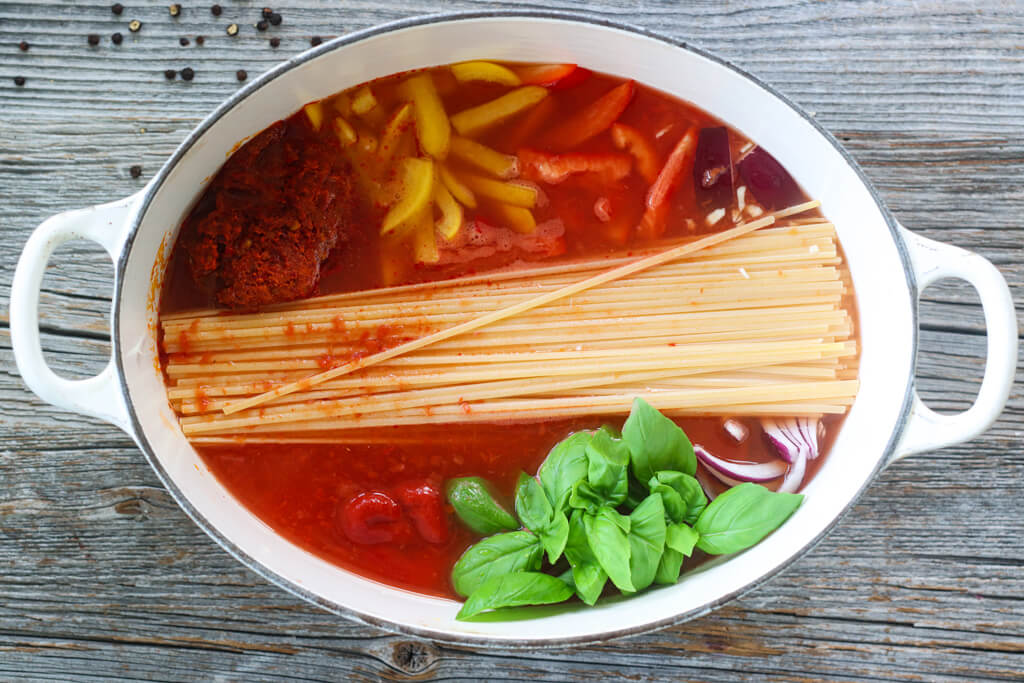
(565, 465)
(681, 538)
(656, 443)
(496, 556)
(607, 463)
(669, 567)
(587, 575)
(513, 590)
(610, 544)
(535, 510)
(476, 507)
(742, 516)
(635, 494)
(646, 541)
(584, 497)
(682, 494)
(610, 431)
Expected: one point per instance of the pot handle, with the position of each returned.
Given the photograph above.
(98, 396)
(927, 430)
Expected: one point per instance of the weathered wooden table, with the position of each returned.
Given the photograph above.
(102, 576)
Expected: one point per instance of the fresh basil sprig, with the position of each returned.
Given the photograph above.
(476, 506)
(623, 508)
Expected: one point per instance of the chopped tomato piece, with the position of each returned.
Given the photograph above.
(545, 74)
(595, 118)
(636, 143)
(555, 168)
(372, 517)
(425, 507)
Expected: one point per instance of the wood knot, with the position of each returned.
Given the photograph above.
(133, 507)
(413, 657)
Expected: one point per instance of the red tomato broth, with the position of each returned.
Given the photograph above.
(298, 489)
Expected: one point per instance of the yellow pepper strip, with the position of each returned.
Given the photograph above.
(485, 71)
(315, 114)
(393, 129)
(509, 193)
(424, 241)
(517, 218)
(451, 211)
(363, 101)
(417, 181)
(346, 133)
(342, 104)
(432, 124)
(474, 120)
(485, 158)
(456, 187)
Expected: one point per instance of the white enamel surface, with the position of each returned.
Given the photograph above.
(883, 296)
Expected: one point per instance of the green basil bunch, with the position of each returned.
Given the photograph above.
(603, 507)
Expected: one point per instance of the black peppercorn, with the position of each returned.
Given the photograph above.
(275, 19)
(315, 40)
(262, 25)
(174, 9)
(117, 8)
(183, 41)
(275, 41)
(232, 29)
(170, 74)
(134, 25)
(23, 46)
(216, 10)
(200, 40)
(187, 73)
(19, 80)
(241, 75)
(94, 39)
(136, 171)
(266, 12)
(117, 38)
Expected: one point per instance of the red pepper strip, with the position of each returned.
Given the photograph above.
(544, 74)
(527, 126)
(577, 76)
(653, 222)
(555, 168)
(636, 143)
(593, 119)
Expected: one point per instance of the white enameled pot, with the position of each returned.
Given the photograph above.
(889, 266)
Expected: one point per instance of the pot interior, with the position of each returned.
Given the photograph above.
(884, 300)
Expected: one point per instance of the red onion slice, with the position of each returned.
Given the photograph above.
(792, 437)
(733, 473)
(795, 476)
(736, 430)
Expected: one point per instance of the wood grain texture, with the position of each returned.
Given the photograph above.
(103, 577)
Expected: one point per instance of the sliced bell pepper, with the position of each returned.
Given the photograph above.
(515, 194)
(555, 168)
(477, 119)
(545, 74)
(315, 114)
(485, 158)
(652, 224)
(416, 184)
(595, 118)
(391, 135)
(432, 125)
(424, 241)
(525, 128)
(516, 218)
(456, 187)
(363, 101)
(345, 132)
(485, 71)
(452, 215)
(636, 143)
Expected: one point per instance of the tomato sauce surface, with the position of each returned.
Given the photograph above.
(298, 489)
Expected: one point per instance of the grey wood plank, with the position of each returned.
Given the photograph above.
(103, 577)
